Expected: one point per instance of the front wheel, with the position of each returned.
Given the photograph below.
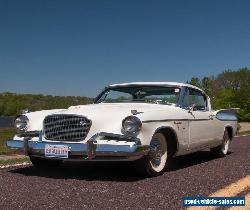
(44, 163)
(222, 150)
(154, 164)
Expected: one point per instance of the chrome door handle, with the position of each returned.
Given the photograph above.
(211, 117)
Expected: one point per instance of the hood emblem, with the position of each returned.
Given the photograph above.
(135, 112)
(83, 123)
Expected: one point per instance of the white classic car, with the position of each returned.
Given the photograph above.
(145, 122)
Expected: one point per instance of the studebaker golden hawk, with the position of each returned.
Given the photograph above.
(144, 122)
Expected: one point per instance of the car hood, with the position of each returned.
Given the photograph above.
(94, 110)
(105, 117)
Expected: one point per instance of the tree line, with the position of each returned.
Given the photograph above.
(11, 104)
(229, 89)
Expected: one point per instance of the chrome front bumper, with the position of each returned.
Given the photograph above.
(92, 150)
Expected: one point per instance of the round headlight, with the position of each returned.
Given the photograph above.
(21, 123)
(131, 125)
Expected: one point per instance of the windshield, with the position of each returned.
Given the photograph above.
(135, 94)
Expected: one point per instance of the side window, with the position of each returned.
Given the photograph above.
(195, 97)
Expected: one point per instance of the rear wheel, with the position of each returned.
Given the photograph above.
(44, 163)
(154, 164)
(222, 150)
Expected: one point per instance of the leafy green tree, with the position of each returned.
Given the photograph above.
(230, 89)
(11, 104)
(195, 81)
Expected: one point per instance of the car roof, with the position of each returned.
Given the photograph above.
(178, 84)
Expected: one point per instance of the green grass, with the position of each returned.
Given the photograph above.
(14, 161)
(244, 133)
(6, 134)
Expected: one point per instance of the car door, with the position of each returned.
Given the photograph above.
(200, 119)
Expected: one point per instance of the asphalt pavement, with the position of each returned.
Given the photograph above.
(117, 186)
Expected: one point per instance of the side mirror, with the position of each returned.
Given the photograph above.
(191, 108)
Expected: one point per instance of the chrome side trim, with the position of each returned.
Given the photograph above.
(170, 120)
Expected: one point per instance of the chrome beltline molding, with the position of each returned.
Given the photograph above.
(170, 120)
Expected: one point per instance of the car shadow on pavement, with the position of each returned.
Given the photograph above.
(116, 171)
(189, 160)
(104, 171)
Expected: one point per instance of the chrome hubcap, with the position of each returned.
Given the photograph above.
(155, 152)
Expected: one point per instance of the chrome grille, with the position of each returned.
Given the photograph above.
(63, 127)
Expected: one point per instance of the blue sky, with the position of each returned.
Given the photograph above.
(76, 47)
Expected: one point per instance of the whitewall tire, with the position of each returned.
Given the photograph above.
(154, 164)
(222, 150)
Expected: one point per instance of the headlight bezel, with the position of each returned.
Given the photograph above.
(21, 123)
(131, 126)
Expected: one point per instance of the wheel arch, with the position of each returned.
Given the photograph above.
(171, 138)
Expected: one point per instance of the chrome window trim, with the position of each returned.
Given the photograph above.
(174, 86)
